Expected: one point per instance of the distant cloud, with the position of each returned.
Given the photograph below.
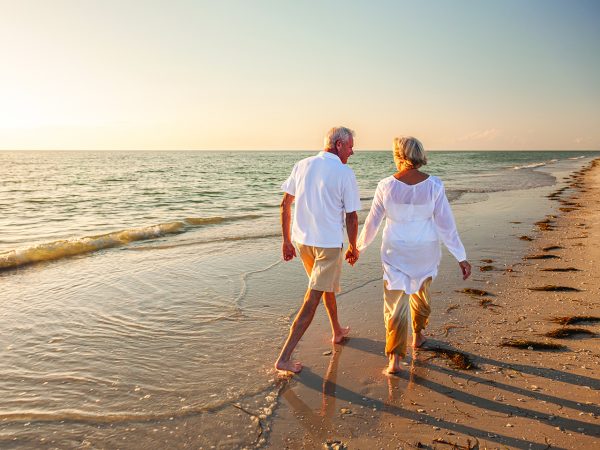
(485, 135)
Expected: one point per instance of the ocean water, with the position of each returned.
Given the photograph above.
(57, 204)
(142, 288)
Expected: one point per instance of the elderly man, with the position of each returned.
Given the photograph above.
(323, 187)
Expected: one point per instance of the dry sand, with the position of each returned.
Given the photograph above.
(511, 398)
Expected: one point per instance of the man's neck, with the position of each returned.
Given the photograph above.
(333, 151)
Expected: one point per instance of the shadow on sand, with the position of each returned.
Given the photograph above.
(331, 391)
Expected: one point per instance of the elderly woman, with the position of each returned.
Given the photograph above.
(417, 217)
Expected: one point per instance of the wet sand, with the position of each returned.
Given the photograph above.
(510, 397)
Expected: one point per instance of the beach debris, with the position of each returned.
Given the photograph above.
(526, 238)
(452, 307)
(541, 257)
(564, 332)
(334, 444)
(449, 327)
(516, 222)
(567, 209)
(545, 225)
(561, 269)
(552, 247)
(531, 345)
(456, 446)
(458, 359)
(558, 191)
(569, 320)
(472, 291)
(554, 288)
(564, 202)
(345, 411)
(487, 260)
(327, 353)
(486, 268)
(485, 302)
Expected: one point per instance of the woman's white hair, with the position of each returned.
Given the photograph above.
(337, 134)
(408, 151)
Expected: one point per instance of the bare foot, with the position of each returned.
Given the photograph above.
(340, 335)
(394, 365)
(288, 366)
(418, 340)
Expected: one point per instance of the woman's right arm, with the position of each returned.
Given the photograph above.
(371, 226)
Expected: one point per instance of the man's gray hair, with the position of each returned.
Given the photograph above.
(337, 134)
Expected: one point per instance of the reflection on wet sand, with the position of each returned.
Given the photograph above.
(320, 425)
(329, 383)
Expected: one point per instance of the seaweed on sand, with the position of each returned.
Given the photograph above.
(560, 269)
(545, 225)
(554, 288)
(564, 332)
(526, 238)
(458, 359)
(552, 247)
(472, 291)
(569, 320)
(487, 260)
(531, 345)
(449, 327)
(457, 446)
(541, 257)
(452, 307)
(486, 268)
(485, 302)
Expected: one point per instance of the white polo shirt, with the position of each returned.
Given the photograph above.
(324, 189)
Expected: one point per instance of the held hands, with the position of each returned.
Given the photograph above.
(352, 255)
(288, 250)
(465, 267)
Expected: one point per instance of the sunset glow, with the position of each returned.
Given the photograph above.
(275, 75)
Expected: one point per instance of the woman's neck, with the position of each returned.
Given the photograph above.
(407, 169)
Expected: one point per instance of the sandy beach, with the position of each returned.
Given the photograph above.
(503, 397)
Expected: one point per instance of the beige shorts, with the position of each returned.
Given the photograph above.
(323, 267)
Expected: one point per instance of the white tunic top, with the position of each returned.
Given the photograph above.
(417, 217)
(324, 188)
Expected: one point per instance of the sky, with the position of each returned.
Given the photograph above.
(275, 75)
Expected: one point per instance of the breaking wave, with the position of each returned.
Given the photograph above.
(534, 165)
(72, 247)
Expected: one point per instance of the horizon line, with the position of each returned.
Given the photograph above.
(280, 150)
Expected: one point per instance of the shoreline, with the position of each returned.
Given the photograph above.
(515, 398)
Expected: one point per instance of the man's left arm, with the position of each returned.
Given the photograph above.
(351, 199)
(287, 247)
(352, 229)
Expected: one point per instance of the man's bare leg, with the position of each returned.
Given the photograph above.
(338, 332)
(297, 330)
